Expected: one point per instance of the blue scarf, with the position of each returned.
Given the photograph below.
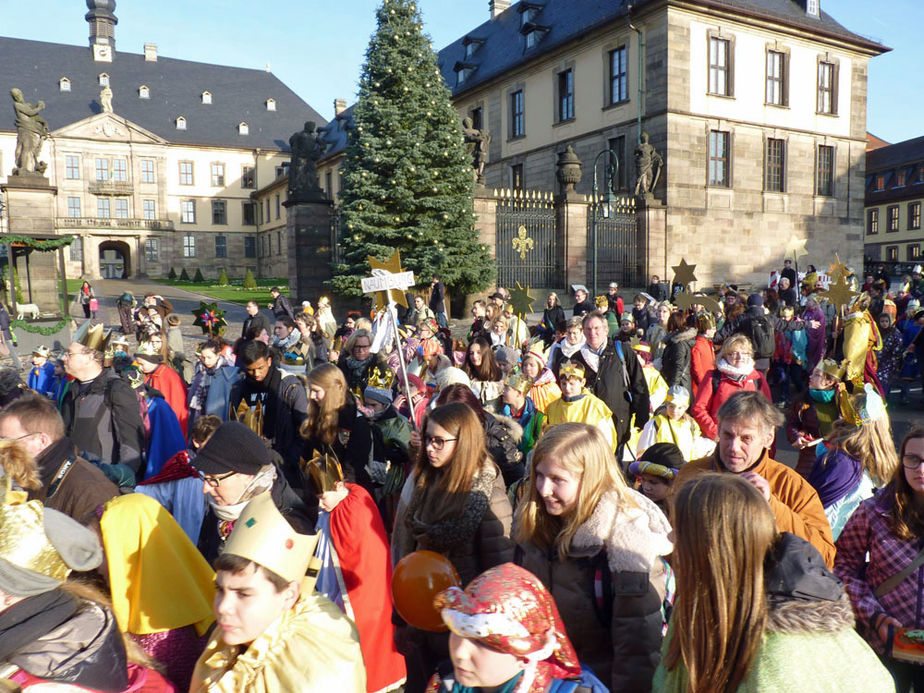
(821, 395)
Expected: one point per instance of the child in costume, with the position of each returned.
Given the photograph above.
(507, 636)
(545, 388)
(655, 471)
(520, 407)
(672, 424)
(42, 373)
(577, 404)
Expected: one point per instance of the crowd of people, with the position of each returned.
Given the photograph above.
(601, 485)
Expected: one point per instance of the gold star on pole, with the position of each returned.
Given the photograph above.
(683, 273)
(839, 293)
(520, 300)
(837, 268)
(795, 248)
(392, 265)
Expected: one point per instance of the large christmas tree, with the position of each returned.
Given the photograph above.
(407, 176)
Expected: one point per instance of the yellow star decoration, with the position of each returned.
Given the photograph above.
(520, 300)
(683, 273)
(837, 268)
(839, 293)
(393, 265)
(795, 248)
(686, 300)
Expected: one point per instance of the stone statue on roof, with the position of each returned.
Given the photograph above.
(476, 141)
(105, 99)
(307, 147)
(31, 131)
(648, 165)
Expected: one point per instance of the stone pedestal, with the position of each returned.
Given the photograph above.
(308, 241)
(653, 243)
(30, 205)
(572, 212)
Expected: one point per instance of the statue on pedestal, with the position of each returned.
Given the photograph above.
(31, 131)
(307, 148)
(105, 99)
(646, 160)
(477, 143)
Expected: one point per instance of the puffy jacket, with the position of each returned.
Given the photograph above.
(609, 383)
(675, 361)
(502, 438)
(702, 360)
(710, 397)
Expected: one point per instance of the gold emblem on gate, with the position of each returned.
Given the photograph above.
(522, 242)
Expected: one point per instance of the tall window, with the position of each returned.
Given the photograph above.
(72, 167)
(619, 77)
(892, 253)
(872, 222)
(121, 208)
(188, 211)
(892, 218)
(248, 213)
(148, 209)
(776, 78)
(102, 207)
(718, 158)
(189, 245)
(218, 175)
(267, 218)
(775, 166)
(827, 94)
(279, 242)
(102, 169)
(719, 50)
(73, 207)
(824, 171)
(477, 115)
(900, 179)
(914, 251)
(566, 95)
(247, 177)
(219, 212)
(517, 114)
(186, 173)
(147, 171)
(77, 249)
(221, 246)
(250, 246)
(914, 215)
(278, 206)
(119, 170)
(152, 250)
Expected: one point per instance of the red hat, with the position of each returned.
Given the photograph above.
(508, 609)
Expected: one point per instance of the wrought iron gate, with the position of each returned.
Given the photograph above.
(527, 244)
(618, 258)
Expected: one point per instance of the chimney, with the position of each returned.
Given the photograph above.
(150, 52)
(498, 6)
(339, 106)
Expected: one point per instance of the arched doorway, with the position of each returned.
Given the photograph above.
(115, 260)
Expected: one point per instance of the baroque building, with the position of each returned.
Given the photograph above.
(153, 160)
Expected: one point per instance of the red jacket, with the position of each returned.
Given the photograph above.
(708, 401)
(166, 381)
(702, 360)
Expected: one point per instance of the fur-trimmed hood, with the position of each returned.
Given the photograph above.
(686, 335)
(790, 615)
(633, 537)
(512, 425)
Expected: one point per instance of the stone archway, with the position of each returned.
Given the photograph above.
(115, 260)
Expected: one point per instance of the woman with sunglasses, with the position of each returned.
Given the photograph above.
(453, 503)
(885, 589)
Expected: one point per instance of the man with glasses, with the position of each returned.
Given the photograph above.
(101, 411)
(70, 484)
(235, 465)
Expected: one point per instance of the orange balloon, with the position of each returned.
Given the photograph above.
(417, 579)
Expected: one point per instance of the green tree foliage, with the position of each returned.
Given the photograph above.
(17, 285)
(223, 278)
(171, 274)
(407, 176)
(199, 279)
(184, 275)
(249, 281)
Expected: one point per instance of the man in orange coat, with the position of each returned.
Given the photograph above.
(165, 380)
(747, 422)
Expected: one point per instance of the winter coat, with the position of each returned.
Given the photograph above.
(710, 397)
(502, 438)
(620, 643)
(890, 357)
(220, 384)
(282, 308)
(702, 360)
(809, 644)
(352, 446)
(105, 420)
(550, 318)
(677, 357)
(169, 383)
(259, 321)
(475, 540)
(812, 420)
(656, 336)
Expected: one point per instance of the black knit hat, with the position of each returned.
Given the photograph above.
(233, 448)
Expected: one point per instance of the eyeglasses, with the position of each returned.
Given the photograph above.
(912, 461)
(362, 347)
(11, 440)
(71, 354)
(214, 481)
(436, 442)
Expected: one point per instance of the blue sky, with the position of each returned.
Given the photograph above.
(318, 48)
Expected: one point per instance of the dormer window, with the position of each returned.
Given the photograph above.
(471, 46)
(528, 12)
(812, 7)
(206, 97)
(271, 104)
(463, 71)
(144, 92)
(180, 123)
(243, 128)
(103, 79)
(533, 33)
(64, 84)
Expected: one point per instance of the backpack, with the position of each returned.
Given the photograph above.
(763, 337)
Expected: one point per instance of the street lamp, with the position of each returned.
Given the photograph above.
(610, 182)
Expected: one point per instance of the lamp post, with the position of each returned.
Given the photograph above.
(610, 182)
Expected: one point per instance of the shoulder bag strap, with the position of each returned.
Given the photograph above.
(898, 578)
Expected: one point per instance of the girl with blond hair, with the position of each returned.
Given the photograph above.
(755, 610)
(597, 545)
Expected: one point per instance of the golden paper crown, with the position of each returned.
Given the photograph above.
(252, 417)
(147, 349)
(519, 382)
(637, 344)
(601, 301)
(41, 350)
(263, 535)
(571, 370)
(92, 336)
(381, 379)
(832, 368)
(323, 472)
(874, 407)
(23, 541)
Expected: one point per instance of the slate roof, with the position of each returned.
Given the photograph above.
(907, 157)
(503, 45)
(238, 94)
